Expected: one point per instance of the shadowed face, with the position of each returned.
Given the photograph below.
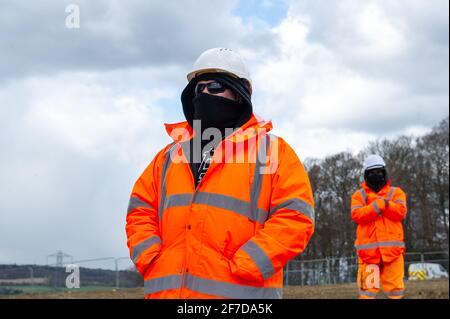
(376, 178)
(375, 172)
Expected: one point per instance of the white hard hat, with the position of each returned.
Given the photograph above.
(220, 60)
(374, 161)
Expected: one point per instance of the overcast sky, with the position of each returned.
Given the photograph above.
(82, 109)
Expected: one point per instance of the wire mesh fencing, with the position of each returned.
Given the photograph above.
(340, 270)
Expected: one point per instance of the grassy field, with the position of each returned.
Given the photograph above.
(433, 289)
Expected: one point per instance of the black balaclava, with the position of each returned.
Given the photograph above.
(216, 111)
(219, 112)
(376, 181)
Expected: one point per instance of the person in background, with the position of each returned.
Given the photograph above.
(379, 209)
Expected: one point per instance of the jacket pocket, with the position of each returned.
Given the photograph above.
(228, 249)
(153, 263)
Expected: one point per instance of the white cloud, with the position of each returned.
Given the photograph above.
(81, 113)
(378, 36)
(93, 119)
(75, 148)
(331, 79)
(118, 34)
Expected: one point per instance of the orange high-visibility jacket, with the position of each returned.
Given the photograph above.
(231, 236)
(379, 235)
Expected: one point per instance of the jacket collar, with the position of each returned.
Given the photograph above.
(384, 190)
(182, 131)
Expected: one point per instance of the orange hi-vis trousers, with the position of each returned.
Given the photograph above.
(387, 276)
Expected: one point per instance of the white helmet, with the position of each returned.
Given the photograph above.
(220, 60)
(374, 161)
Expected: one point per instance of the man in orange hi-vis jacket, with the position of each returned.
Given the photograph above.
(379, 209)
(220, 210)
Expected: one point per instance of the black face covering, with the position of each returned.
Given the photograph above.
(219, 112)
(236, 85)
(376, 181)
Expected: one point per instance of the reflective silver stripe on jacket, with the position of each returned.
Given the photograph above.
(367, 293)
(380, 244)
(364, 195)
(297, 205)
(260, 258)
(391, 193)
(399, 293)
(255, 191)
(229, 290)
(136, 202)
(235, 205)
(177, 200)
(211, 287)
(143, 246)
(168, 156)
(356, 207)
(375, 206)
(232, 204)
(162, 283)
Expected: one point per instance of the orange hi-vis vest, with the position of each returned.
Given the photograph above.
(379, 235)
(231, 236)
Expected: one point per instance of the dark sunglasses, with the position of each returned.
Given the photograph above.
(375, 171)
(213, 88)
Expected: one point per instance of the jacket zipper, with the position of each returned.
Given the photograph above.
(185, 270)
(184, 265)
(196, 189)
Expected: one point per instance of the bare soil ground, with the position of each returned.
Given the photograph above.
(432, 289)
